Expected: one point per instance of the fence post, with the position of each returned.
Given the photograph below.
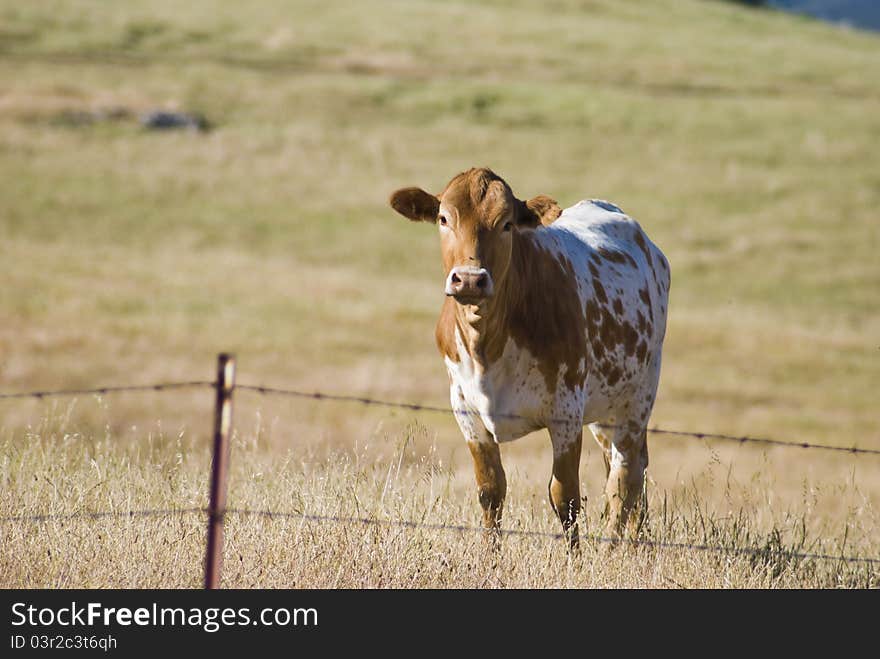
(219, 468)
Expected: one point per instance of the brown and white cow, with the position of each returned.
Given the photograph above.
(553, 319)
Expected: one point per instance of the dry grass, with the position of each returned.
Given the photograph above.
(399, 477)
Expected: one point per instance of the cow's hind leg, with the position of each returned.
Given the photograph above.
(626, 478)
(603, 438)
(603, 434)
(564, 488)
(491, 481)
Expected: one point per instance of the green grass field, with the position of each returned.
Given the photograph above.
(743, 141)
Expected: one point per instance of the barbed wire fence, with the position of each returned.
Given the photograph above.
(418, 407)
(216, 512)
(414, 407)
(456, 528)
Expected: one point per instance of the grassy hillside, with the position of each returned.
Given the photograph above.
(743, 141)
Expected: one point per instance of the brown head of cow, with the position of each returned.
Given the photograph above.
(476, 214)
(552, 320)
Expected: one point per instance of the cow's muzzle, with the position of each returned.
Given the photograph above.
(469, 285)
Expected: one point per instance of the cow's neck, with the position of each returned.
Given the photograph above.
(485, 329)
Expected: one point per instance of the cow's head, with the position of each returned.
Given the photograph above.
(478, 217)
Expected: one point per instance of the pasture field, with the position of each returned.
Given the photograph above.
(743, 141)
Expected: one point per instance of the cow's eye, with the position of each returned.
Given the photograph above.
(507, 226)
(442, 220)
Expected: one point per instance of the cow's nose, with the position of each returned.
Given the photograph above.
(466, 282)
(481, 281)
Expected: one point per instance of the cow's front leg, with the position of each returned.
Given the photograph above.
(626, 478)
(564, 488)
(491, 481)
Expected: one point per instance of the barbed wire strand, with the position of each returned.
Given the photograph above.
(99, 514)
(418, 407)
(273, 514)
(742, 439)
(654, 544)
(101, 391)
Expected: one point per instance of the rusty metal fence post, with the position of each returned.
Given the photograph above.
(219, 468)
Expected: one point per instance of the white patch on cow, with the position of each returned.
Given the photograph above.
(461, 395)
(510, 398)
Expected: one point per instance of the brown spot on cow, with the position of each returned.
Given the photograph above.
(640, 241)
(613, 376)
(642, 351)
(600, 292)
(630, 338)
(612, 255)
(615, 256)
(618, 306)
(551, 327)
(643, 324)
(611, 331)
(593, 269)
(645, 296)
(593, 314)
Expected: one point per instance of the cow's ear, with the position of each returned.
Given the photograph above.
(545, 209)
(415, 204)
(537, 211)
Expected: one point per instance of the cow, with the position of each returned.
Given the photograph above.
(552, 319)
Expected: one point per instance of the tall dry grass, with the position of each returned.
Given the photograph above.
(398, 477)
